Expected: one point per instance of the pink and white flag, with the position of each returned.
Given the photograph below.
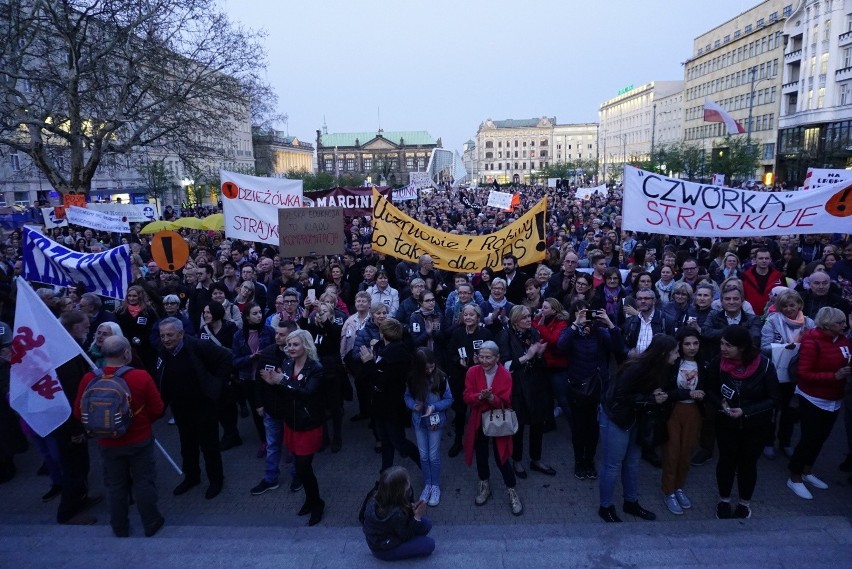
(715, 113)
(40, 344)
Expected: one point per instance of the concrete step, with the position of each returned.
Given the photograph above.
(795, 542)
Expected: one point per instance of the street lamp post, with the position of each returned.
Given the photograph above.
(750, 106)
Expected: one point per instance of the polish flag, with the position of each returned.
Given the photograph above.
(40, 344)
(714, 113)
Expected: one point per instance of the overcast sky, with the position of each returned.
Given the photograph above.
(444, 66)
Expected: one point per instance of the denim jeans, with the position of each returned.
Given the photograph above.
(620, 452)
(274, 443)
(429, 445)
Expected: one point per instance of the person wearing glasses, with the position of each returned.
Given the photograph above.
(287, 308)
(824, 371)
(425, 322)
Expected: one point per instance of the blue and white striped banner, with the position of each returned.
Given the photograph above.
(46, 261)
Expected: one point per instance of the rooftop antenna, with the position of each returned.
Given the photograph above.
(324, 126)
(379, 117)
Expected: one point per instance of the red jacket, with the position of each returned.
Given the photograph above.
(501, 387)
(145, 402)
(819, 359)
(550, 334)
(754, 294)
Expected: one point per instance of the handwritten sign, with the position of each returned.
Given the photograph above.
(500, 200)
(97, 220)
(658, 204)
(402, 237)
(311, 231)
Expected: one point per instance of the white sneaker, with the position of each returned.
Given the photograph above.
(171, 421)
(427, 491)
(435, 498)
(814, 481)
(799, 489)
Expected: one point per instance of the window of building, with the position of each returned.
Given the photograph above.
(516, 144)
(543, 142)
(523, 166)
(827, 32)
(773, 17)
(525, 144)
(809, 100)
(847, 57)
(409, 162)
(339, 164)
(368, 164)
(489, 155)
(737, 34)
(558, 147)
(421, 164)
(2, 198)
(788, 9)
(516, 165)
(717, 43)
(516, 153)
(845, 91)
(329, 164)
(350, 164)
(769, 151)
(820, 97)
(500, 144)
(489, 144)
(823, 64)
(524, 154)
(542, 153)
(14, 161)
(813, 66)
(727, 38)
(22, 198)
(499, 154)
(748, 29)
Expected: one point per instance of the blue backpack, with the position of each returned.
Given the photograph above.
(105, 405)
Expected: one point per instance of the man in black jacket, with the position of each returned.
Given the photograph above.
(515, 279)
(191, 374)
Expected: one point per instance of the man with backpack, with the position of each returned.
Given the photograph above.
(129, 403)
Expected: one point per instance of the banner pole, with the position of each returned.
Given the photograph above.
(168, 457)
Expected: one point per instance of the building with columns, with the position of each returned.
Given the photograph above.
(815, 124)
(627, 122)
(381, 154)
(276, 153)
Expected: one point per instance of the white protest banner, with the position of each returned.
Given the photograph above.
(134, 213)
(551, 182)
(50, 221)
(40, 345)
(419, 180)
(658, 204)
(587, 193)
(718, 179)
(821, 177)
(46, 261)
(405, 194)
(85, 217)
(500, 200)
(250, 205)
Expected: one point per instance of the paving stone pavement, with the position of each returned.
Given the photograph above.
(560, 515)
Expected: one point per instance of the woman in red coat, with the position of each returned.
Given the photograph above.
(824, 369)
(489, 386)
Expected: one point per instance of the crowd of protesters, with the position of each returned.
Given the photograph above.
(667, 349)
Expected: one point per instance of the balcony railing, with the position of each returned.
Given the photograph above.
(793, 56)
(844, 39)
(843, 74)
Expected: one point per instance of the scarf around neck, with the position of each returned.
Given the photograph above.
(736, 369)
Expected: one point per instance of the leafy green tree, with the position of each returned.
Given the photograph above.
(734, 158)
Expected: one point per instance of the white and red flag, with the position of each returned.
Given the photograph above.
(40, 344)
(715, 113)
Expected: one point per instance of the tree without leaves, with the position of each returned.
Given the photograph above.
(84, 82)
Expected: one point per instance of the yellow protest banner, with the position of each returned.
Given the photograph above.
(400, 236)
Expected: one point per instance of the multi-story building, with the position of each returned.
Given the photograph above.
(627, 122)
(816, 95)
(276, 153)
(515, 150)
(124, 179)
(738, 65)
(390, 155)
(576, 145)
(667, 119)
(469, 159)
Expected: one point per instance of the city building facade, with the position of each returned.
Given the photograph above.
(384, 157)
(627, 122)
(816, 105)
(514, 151)
(738, 65)
(276, 153)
